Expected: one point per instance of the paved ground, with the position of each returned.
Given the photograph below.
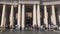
(30, 32)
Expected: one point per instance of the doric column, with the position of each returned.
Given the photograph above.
(11, 17)
(53, 18)
(3, 20)
(45, 16)
(23, 16)
(19, 14)
(34, 15)
(38, 15)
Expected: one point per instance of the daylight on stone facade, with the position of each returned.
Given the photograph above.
(30, 14)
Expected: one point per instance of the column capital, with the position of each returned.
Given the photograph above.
(53, 6)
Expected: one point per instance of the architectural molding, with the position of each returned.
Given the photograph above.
(31, 2)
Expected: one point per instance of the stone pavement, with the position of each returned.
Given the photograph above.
(29, 32)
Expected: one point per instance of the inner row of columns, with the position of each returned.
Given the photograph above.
(36, 16)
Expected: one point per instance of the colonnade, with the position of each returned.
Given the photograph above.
(36, 16)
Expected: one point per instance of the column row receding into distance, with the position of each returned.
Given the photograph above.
(36, 16)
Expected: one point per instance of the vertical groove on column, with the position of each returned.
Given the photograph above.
(38, 15)
(53, 18)
(23, 16)
(34, 15)
(3, 16)
(45, 16)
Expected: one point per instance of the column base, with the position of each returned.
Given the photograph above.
(36, 27)
(23, 28)
(18, 28)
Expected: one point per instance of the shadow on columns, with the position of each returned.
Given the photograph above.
(15, 12)
(57, 12)
(28, 16)
(42, 15)
(1, 7)
(8, 9)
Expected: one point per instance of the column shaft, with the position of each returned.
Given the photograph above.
(3, 17)
(19, 14)
(11, 17)
(53, 18)
(59, 18)
(38, 15)
(23, 16)
(45, 16)
(34, 15)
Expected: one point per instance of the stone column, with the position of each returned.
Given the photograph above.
(34, 15)
(59, 18)
(23, 16)
(53, 18)
(45, 16)
(11, 17)
(3, 20)
(19, 15)
(38, 15)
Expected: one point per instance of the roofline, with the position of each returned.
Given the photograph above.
(31, 2)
